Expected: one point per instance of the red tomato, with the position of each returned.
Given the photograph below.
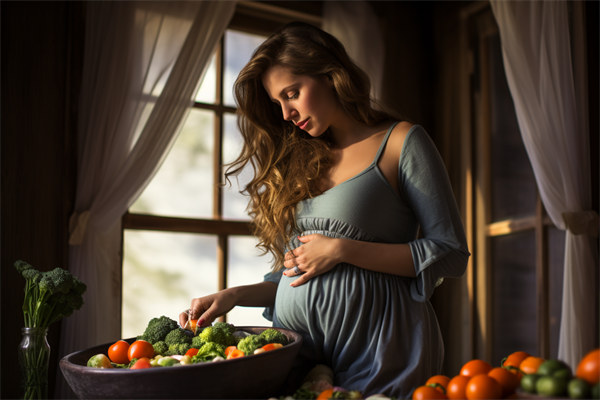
(191, 352)
(427, 393)
(589, 367)
(475, 367)
(507, 380)
(139, 349)
(141, 363)
(483, 387)
(117, 352)
(456, 387)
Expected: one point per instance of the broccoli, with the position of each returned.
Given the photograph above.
(209, 351)
(251, 343)
(274, 336)
(178, 348)
(158, 328)
(219, 332)
(178, 336)
(197, 342)
(161, 348)
(49, 296)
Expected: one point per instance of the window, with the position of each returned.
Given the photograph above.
(186, 235)
(516, 275)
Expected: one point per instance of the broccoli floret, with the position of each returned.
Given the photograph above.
(219, 332)
(251, 343)
(161, 348)
(208, 351)
(178, 336)
(197, 342)
(178, 348)
(158, 328)
(274, 336)
(49, 296)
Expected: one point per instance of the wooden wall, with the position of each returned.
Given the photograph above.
(38, 158)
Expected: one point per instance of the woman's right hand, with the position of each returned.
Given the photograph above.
(208, 308)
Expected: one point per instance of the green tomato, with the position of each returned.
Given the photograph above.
(578, 389)
(99, 361)
(595, 391)
(528, 382)
(551, 386)
(555, 368)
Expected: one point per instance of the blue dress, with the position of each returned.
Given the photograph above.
(378, 332)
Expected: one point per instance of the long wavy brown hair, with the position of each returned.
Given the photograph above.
(288, 163)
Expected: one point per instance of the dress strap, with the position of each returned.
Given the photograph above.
(383, 142)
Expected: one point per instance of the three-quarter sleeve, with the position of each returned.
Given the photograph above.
(274, 277)
(441, 250)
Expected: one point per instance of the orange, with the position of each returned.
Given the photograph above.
(475, 367)
(507, 380)
(456, 387)
(530, 364)
(427, 393)
(440, 382)
(482, 387)
(588, 368)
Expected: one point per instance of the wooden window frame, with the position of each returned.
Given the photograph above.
(480, 228)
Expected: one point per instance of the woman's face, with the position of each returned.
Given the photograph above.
(310, 103)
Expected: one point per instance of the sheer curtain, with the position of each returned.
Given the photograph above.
(548, 86)
(142, 65)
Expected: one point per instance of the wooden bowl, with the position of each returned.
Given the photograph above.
(256, 376)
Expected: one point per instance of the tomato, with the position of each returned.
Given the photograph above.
(440, 382)
(514, 359)
(483, 386)
(325, 394)
(117, 352)
(139, 349)
(427, 393)
(456, 387)
(235, 353)
(272, 346)
(475, 367)
(141, 363)
(507, 380)
(191, 352)
(530, 364)
(588, 368)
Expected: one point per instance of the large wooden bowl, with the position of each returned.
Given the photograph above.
(257, 376)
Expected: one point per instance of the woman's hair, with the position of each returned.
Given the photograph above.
(288, 163)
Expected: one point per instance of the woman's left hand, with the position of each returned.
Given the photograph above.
(317, 255)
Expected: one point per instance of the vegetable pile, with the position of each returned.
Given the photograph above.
(522, 371)
(164, 344)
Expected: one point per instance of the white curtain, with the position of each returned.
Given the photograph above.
(542, 43)
(143, 63)
(355, 25)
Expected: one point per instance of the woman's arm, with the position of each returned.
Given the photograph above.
(319, 253)
(206, 309)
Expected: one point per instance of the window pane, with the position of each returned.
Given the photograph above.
(514, 294)
(246, 266)
(208, 89)
(182, 186)
(239, 47)
(513, 183)
(162, 272)
(556, 258)
(234, 203)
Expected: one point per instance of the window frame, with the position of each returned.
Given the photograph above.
(479, 226)
(249, 17)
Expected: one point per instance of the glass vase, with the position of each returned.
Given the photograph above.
(34, 358)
